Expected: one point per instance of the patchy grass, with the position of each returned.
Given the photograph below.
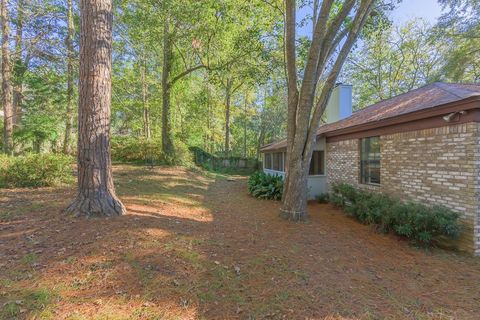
(20, 301)
(195, 245)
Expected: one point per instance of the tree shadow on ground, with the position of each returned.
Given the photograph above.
(193, 246)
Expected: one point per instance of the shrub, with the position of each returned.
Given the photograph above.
(5, 162)
(129, 149)
(36, 170)
(424, 223)
(415, 221)
(182, 156)
(373, 208)
(141, 151)
(264, 186)
(323, 197)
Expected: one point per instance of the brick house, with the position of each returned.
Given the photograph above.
(423, 145)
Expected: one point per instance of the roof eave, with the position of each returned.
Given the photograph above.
(469, 103)
(269, 148)
(466, 104)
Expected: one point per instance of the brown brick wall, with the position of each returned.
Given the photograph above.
(343, 162)
(435, 166)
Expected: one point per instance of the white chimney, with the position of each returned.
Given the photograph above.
(340, 104)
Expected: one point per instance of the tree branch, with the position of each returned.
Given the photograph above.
(290, 51)
(333, 37)
(185, 73)
(358, 22)
(291, 68)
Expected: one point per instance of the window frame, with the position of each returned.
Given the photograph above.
(268, 164)
(322, 161)
(277, 161)
(367, 162)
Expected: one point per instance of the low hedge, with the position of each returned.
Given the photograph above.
(36, 170)
(265, 186)
(415, 221)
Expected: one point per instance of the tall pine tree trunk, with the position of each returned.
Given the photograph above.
(245, 127)
(96, 192)
(67, 143)
(261, 141)
(228, 93)
(19, 68)
(206, 142)
(167, 140)
(7, 89)
(146, 110)
(261, 136)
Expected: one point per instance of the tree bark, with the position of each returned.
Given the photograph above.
(294, 206)
(146, 110)
(207, 142)
(167, 140)
(96, 192)
(67, 144)
(245, 127)
(303, 113)
(19, 68)
(7, 89)
(261, 136)
(261, 141)
(228, 89)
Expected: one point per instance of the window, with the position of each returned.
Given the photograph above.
(370, 160)
(268, 161)
(317, 164)
(278, 161)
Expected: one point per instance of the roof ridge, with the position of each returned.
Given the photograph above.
(442, 85)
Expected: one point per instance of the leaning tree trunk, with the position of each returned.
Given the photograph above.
(7, 89)
(304, 113)
(67, 144)
(96, 192)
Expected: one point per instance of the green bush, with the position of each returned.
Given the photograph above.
(415, 221)
(36, 170)
(264, 186)
(141, 151)
(135, 150)
(424, 223)
(5, 162)
(323, 197)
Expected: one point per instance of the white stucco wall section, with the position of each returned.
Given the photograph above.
(316, 184)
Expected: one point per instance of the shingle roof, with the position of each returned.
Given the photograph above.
(429, 96)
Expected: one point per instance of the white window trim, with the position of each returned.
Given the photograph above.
(284, 159)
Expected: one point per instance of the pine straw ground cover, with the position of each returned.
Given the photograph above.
(197, 246)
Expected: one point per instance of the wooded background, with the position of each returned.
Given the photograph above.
(209, 74)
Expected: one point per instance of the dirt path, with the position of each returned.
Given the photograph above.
(196, 246)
